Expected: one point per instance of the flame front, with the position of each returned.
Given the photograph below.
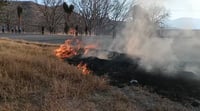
(73, 48)
(67, 50)
(87, 48)
(84, 68)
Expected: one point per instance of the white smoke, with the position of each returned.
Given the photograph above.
(178, 51)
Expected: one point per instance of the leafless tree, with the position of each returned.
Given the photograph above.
(93, 12)
(119, 12)
(98, 14)
(52, 13)
(153, 18)
(158, 15)
(155, 14)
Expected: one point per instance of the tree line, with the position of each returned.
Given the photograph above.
(6, 15)
(94, 16)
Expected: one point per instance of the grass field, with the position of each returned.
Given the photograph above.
(33, 79)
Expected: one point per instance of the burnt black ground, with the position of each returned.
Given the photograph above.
(182, 86)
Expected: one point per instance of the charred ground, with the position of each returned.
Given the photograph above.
(183, 86)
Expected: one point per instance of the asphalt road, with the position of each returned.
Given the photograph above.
(55, 39)
(103, 42)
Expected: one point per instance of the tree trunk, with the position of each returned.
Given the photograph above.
(19, 25)
(114, 32)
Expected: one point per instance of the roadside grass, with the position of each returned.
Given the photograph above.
(33, 79)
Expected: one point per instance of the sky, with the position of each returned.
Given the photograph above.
(183, 8)
(177, 8)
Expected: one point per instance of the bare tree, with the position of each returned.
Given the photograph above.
(155, 14)
(52, 13)
(152, 18)
(100, 14)
(94, 12)
(119, 12)
(158, 15)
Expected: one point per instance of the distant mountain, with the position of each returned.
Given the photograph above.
(184, 23)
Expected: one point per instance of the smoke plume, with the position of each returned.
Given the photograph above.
(176, 51)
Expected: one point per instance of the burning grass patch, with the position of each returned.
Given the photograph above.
(33, 79)
(123, 70)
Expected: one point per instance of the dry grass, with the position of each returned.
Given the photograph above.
(33, 79)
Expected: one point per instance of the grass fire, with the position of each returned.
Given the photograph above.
(121, 69)
(72, 48)
(34, 79)
(84, 68)
(98, 55)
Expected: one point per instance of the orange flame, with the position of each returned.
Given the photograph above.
(67, 50)
(87, 48)
(72, 48)
(84, 68)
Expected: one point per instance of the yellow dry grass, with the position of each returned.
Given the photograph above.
(33, 79)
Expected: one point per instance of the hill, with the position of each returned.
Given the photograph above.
(32, 18)
(185, 23)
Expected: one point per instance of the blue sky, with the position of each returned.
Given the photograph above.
(177, 8)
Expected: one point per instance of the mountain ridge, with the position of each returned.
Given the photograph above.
(184, 23)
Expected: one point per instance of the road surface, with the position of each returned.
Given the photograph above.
(55, 39)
